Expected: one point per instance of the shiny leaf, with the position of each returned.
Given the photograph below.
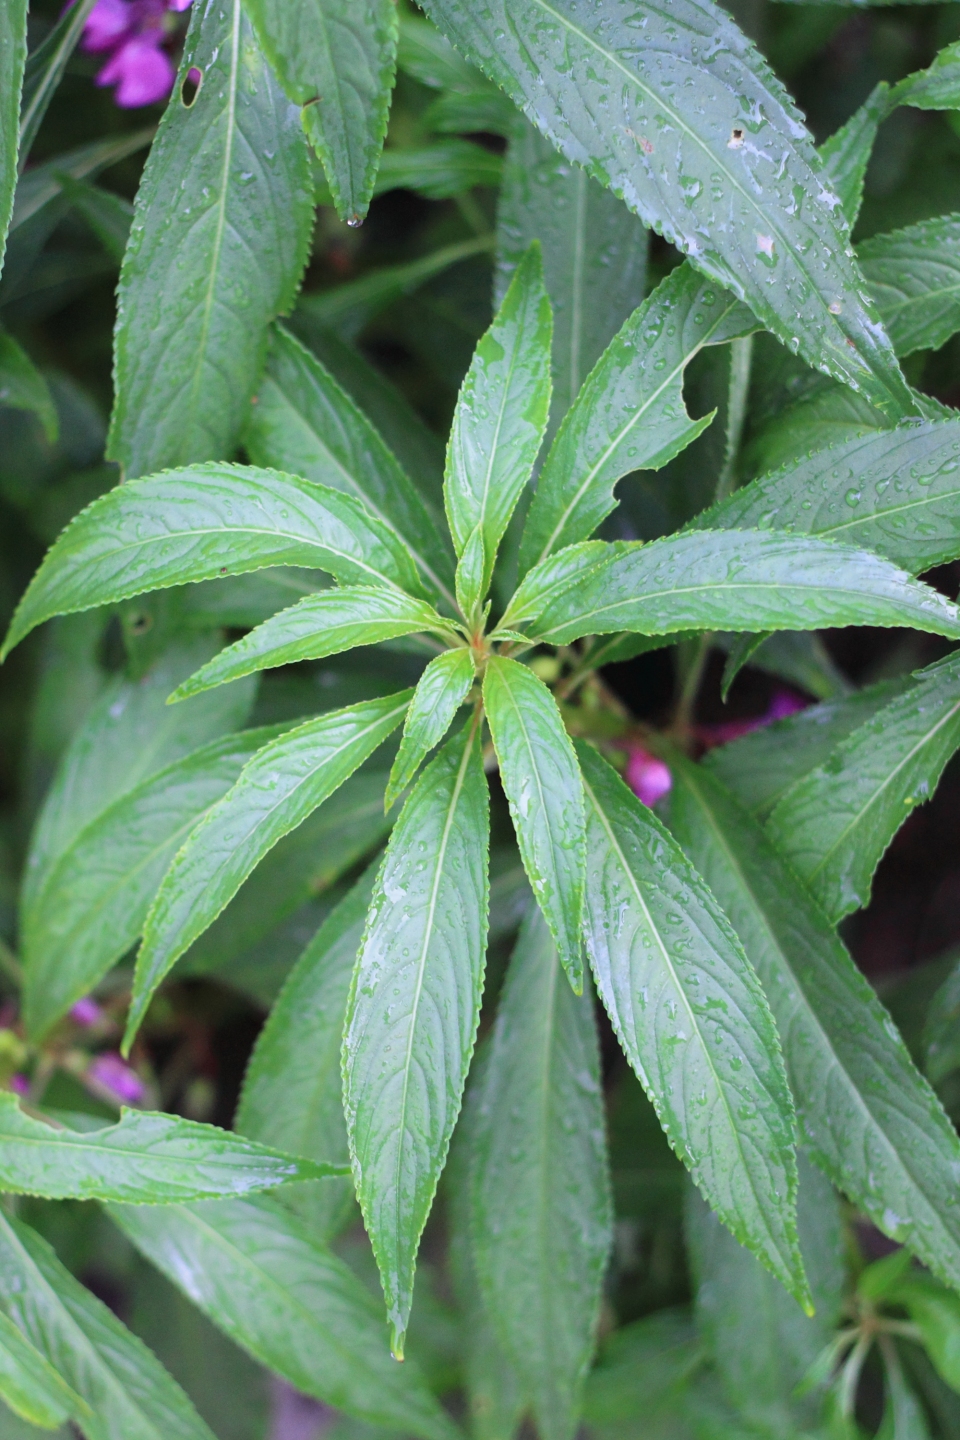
(442, 689)
(846, 155)
(30, 1385)
(24, 388)
(13, 56)
(914, 275)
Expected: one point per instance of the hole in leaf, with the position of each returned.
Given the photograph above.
(140, 624)
(736, 138)
(190, 88)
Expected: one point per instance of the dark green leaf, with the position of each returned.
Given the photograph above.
(541, 777)
(846, 154)
(414, 1007)
(903, 1415)
(914, 275)
(254, 1268)
(108, 216)
(442, 689)
(642, 1367)
(541, 1205)
(13, 55)
(692, 1019)
(277, 790)
(834, 824)
(733, 182)
(936, 1313)
(437, 171)
(485, 109)
(219, 241)
(42, 184)
(941, 1032)
(868, 1118)
(338, 61)
(630, 414)
(24, 388)
(305, 424)
(44, 70)
(129, 1393)
(201, 522)
(720, 580)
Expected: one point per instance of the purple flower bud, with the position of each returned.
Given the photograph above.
(19, 1084)
(648, 777)
(113, 1073)
(86, 1012)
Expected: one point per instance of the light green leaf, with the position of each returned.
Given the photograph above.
(936, 1314)
(541, 778)
(337, 60)
(30, 1385)
(692, 1019)
(867, 1117)
(893, 491)
(414, 1008)
(936, 88)
(733, 182)
(305, 424)
(13, 56)
(219, 241)
(129, 1393)
(95, 899)
(145, 1159)
(835, 823)
(501, 414)
(442, 689)
(484, 109)
(201, 522)
(277, 790)
(845, 157)
(256, 1271)
(44, 70)
(914, 274)
(594, 253)
(24, 388)
(292, 1091)
(541, 1203)
(630, 413)
(318, 626)
(720, 580)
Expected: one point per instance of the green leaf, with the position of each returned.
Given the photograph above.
(437, 171)
(484, 109)
(284, 783)
(914, 275)
(720, 580)
(40, 185)
(441, 690)
(304, 423)
(318, 626)
(219, 241)
(30, 1385)
(292, 1091)
(541, 1204)
(867, 1117)
(904, 1417)
(845, 157)
(941, 1033)
(594, 253)
(13, 55)
(733, 182)
(414, 1008)
(337, 60)
(642, 1367)
(501, 414)
(145, 1159)
(201, 522)
(256, 1271)
(24, 388)
(936, 88)
(835, 823)
(44, 70)
(630, 414)
(129, 1393)
(893, 491)
(763, 1344)
(936, 1314)
(668, 966)
(95, 899)
(109, 216)
(542, 781)
(760, 767)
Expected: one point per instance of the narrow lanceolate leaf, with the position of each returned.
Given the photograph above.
(594, 253)
(720, 580)
(317, 626)
(630, 414)
(835, 823)
(202, 522)
(304, 423)
(23, 387)
(846, 154)
(541, 777)
(442, 689)
(937, 87)
(867, 1116)
(338, 60)
(30, 1385)
(219, 241)
(129, 1394)
(501, 414)
(692, 1019)
(13, 55)
(893, 491)
(284, 783)
(540, 1191)
(95, 900)
(145, 1159)
(256, 1271)
(733, 181)
(914, 275)
(414, 1007)
(292, 1094)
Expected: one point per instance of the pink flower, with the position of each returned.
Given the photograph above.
(141, 71)
(132, 33)
(784, 703)
(111, 1072)
(19, 1084)
(648, 777)
(86, 1012)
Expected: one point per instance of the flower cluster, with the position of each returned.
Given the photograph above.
(132, 34)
